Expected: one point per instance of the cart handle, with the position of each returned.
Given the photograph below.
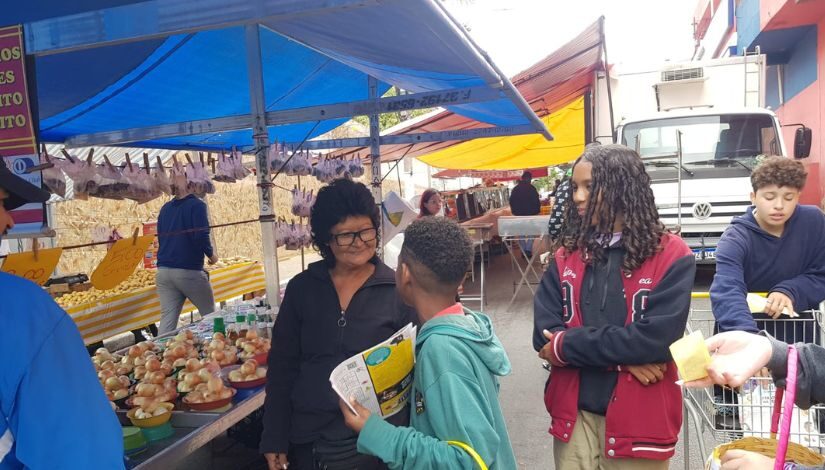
(706, 295)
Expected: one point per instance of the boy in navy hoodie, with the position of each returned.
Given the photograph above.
(778, 247)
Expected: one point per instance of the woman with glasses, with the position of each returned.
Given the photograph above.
(338, 307)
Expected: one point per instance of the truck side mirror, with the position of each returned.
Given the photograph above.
(802, 142)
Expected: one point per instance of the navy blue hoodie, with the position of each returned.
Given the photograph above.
(748, 259)
(184, 250)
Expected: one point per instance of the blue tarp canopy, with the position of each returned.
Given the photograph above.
(109, 66)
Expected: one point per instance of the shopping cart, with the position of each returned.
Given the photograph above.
(725, 415)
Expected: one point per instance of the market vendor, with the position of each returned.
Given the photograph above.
(339, 307)
(53, 412)
(184, 241)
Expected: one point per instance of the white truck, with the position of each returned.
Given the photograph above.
(700, 127)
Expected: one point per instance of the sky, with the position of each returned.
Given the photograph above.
(519, 33)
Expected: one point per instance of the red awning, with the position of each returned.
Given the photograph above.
(549, 85)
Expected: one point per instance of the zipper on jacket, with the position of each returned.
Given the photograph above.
(342, 322)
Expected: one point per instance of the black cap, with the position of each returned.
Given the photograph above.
(20, 191)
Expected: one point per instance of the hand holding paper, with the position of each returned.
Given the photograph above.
(691, 356)
(737, 356)
(759, 304)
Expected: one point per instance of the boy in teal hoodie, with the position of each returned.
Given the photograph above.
(458, 362)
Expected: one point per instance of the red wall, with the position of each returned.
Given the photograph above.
(806, 108)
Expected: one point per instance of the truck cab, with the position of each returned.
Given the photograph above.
(700, 162)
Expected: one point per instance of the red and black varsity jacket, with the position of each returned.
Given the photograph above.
(642, 421)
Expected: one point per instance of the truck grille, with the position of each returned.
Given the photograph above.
(702, 212)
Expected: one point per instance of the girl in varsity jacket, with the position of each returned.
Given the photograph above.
(613, 299)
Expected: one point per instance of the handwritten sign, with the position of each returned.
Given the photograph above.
(120, 262)
(16, 127)
(36, 270)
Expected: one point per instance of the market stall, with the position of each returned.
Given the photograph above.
(157, 383)
(306, 67)
(106, 314)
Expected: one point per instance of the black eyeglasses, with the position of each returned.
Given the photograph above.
(348, 238)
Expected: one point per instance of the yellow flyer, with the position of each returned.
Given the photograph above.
(380, 378)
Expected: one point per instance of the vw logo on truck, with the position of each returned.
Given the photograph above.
(702, 210)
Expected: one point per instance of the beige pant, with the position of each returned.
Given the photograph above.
(586, 449)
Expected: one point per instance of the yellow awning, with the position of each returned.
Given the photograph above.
(520, 151)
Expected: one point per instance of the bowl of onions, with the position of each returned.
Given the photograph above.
(151, 414)
(247, 375)
(209, 396)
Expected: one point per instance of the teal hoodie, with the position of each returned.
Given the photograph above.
(454, 398)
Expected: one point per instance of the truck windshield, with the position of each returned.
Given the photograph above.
(723, 138)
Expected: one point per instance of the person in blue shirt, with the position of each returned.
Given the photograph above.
(777, 247)
(53, 411)
(180, 259)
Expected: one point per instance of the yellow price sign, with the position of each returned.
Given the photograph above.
(120, 262)
(36, 269)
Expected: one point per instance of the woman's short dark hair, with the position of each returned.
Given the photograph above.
(335, 202)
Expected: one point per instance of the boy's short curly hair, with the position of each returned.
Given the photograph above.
(780, 171)
(335, 202)
(442, 247)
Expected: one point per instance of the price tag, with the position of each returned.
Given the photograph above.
(120, 262)
(36, 270)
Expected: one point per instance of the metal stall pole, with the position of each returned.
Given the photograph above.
(679, 182)
(261, 135)
(301, 219)
(375, 161)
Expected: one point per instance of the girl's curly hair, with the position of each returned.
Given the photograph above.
(620, 186)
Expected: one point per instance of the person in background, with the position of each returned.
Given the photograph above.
(737, 356)
(458, 362)
(561, 196)
(431, 203)
(778, 247)
(339, 307)
(611, 302)
(41, 426)
(180, 259)
(524, 200)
